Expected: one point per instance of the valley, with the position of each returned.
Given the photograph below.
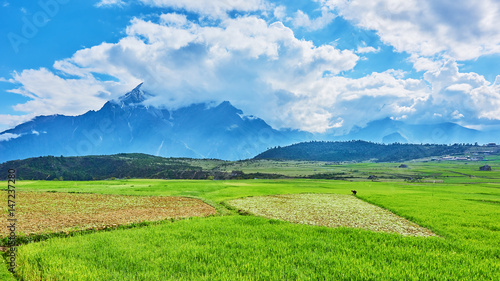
(250, 140)
(454, 200)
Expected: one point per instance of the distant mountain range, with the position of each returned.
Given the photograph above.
(391, 131)
(127, 125)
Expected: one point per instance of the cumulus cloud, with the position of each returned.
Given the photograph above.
(301, 19)
(460, 28)
(261, 68)
(486, 99)
(425, 64)
(280, 12)
(242, 60)
(455, 95)
(354, 101)
(51, 94)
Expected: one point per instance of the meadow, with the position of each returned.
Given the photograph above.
(454, 200)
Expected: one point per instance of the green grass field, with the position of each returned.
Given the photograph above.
(462, 208)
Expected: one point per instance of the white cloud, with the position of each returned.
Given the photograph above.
(465, 88)
(365, 50)
(425, 64)
(301, 19)
(464, 96)
(456, 114)
(8, 136)
(462, 29)
(338, 124)
(8, 121)
(52, 94)
(486, 98)
(355, 101)
(174, 19)
(280, 13)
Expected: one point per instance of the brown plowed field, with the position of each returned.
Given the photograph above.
(42, 212)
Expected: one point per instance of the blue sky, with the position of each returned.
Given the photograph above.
(314, 65)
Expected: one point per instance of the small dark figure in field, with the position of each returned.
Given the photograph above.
(354, 192)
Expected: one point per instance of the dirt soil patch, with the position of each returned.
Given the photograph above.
(42, 212)
(332, 210)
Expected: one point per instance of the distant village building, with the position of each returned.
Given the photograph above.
(403, 166)
(491, 144)
(485, 168)
(460, 158)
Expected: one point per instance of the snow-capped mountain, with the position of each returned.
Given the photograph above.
(127, 125)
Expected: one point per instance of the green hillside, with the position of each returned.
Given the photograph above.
(361, 151)
(103, 167)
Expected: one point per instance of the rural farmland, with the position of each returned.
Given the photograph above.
(252, 140)
(257, 229)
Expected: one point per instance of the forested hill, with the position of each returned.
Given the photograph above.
(133, 165)
(360, 151)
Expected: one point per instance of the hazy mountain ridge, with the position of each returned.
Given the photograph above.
(126, 125)
(390, 131)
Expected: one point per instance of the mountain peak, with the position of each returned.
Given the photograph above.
(138, 87)
(229, 108)
(135, 96)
